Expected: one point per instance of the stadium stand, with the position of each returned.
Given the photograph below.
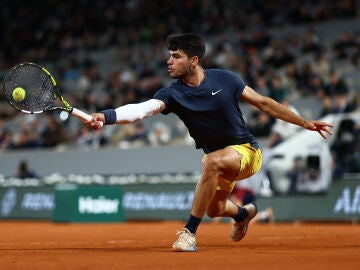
(108, 53)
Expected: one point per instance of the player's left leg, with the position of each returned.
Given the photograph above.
(221, 206)
(250, 163)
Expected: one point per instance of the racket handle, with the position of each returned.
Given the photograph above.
(82, 115)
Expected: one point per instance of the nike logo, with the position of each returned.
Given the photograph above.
(214, 93)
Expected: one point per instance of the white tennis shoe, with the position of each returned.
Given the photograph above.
(185, 242)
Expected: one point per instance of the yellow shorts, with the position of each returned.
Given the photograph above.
(250, 164)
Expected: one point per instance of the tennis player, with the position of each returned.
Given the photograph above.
(207, 101)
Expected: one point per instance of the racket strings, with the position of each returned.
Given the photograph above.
(39, 89)
(47, 95)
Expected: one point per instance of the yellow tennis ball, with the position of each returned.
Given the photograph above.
(19, 94)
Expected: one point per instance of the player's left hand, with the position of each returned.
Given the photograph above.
(319, 126)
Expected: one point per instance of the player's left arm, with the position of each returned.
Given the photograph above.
(277, 110)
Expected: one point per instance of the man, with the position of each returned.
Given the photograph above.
(207, 101)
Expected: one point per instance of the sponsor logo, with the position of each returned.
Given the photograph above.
(38, 201)
(213, 93)
(347, 203)
(8, 202)
(158, 201)
(100, 205)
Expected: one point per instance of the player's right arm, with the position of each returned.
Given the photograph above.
(126, 114)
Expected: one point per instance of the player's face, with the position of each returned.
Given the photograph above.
(178, 64)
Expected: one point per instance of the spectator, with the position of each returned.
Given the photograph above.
(53, 133)
(105, 101)
(322, 64)
(311, 174)
(132, 135)
(342, 103)
(342, 46)
(282, 130)
(260, 123)
(71, 72)
(180, 133)
(345, 146)
(90, 140)
(303, 82)
(276, 91)
(355, 51)
(316, 85)
(294, 173)
(280, 55)
(159, 134)
(24, 171)
(6, 135)
(335, 96)
(290, 79)
(261, 86)
(327, 106)
(312, 179)
(311, 42)
(140, 133)
(26, 137)
(6, 139)
(335, 85)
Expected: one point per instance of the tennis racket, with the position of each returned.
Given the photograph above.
(38, 91)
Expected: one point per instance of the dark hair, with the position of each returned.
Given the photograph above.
(191, 44)
(23, 165)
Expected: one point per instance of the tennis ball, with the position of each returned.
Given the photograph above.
(19, 94)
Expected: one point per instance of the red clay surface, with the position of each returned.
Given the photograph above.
(136, 245)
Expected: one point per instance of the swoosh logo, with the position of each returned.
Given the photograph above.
(214, 93)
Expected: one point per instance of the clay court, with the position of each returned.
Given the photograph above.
(147, 245)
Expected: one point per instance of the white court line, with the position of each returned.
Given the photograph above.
(119, 241)
(281, 238)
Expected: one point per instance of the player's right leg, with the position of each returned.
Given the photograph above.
(221, 163)
(186, 241)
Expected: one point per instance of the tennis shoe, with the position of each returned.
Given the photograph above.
(185, 242)
(239, 228)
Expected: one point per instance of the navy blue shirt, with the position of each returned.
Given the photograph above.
(210, 111)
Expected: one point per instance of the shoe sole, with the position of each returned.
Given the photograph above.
(184, 250)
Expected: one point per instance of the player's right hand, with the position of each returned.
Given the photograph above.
(97, 122)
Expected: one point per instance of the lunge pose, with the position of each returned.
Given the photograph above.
(207, 101)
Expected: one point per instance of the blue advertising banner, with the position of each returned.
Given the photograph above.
(26, 202)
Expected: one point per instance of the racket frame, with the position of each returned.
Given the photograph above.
(67, 107)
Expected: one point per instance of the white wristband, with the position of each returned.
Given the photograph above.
(133, 112)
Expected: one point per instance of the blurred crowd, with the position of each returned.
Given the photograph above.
(58, 28)
(108, 53)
